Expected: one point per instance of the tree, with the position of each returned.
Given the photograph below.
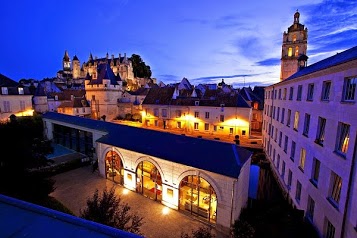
(141, 70)
(108, 209)
(242, 229)
(201, 232)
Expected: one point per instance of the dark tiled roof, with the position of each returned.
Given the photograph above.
(140, 91)
(339, 58)
(75, 103)
(105, 72)
(214, 156)
(161, 96)
(23, 219)
(75, 57)
(7, 82)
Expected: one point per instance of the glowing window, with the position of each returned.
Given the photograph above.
(297, 51)
(294, 38)
(290, 52)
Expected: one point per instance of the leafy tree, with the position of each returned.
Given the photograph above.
(201, 232)
(108, 209)
(242, 229)
(140, 69)
(24, 148)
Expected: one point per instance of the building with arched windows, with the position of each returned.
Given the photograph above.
(202, 178)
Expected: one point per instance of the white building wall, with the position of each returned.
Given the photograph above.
(334, 111)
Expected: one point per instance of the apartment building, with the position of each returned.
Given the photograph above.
(309, 136)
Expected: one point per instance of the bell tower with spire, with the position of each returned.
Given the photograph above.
(294, 45)
(66, 62)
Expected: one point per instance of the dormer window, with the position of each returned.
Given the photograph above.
(4, 91)
(197, 103)
(21, 91)
(56, 97)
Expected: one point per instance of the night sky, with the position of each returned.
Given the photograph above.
(203, 41)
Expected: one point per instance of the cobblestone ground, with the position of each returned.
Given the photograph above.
(74, 187)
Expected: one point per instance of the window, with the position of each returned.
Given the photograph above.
(164, 112)
(310, 208)
(278, 114)
(231, 130)
(255, 116)
(221, 118)
(289, 118)
(284, 93)
(178, 124)
(283, 170)
(343, 137)
(299, 93)
(326, 87)
(215, 128)
(290, 177)
(7, 106)
(349, 89)
(156, 123)
(197, 114)
(22, 105)
(280, 94)
(286, 144)
(275, 94)
(156, 112)
(4, 90)
(274, 112)
(292, 151)
(315, 171)
(276, 134)
(320, 134)
(21, 91)
(197, 103)
(335, 188)
(294, 37)
(297, 51)
(296, 120)
(298, 191)
(310, 92)
(330, 230)
(207, 115)
(280, 138)
(278, 162)
(196, 125)
(291, 93)
(272, 131)
(206, 126)
(306, 125)
(282, 115)
(290, 51)
(302, 159)
(178, 113)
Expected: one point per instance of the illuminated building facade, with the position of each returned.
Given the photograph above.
(14, 99)
(309, 136)
(203, 178)
(294, 46)
(188, 111)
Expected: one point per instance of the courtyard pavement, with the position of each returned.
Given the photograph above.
(74, 187)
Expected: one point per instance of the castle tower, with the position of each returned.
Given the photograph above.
(66, 62)
(76, 67)
(294, 45)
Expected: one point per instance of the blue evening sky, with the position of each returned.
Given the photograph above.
(203, 41)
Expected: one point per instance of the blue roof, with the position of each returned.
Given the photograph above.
(214, 156)
(339, 58)
(22, 219)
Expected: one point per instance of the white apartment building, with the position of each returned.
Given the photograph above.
(310, 138)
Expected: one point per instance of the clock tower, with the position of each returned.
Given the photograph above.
(66, 62)
(294, 45)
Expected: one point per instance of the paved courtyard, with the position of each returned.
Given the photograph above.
(74, 187)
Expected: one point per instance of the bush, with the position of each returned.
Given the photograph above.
(201, 232)
(108, 209)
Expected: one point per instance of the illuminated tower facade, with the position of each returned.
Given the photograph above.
(294, 45)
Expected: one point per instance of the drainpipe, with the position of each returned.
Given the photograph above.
(352, 171)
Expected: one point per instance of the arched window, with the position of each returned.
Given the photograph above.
(297, 51)
(198, 198)
(148, 180)
(114, 167)
(290, 52)
(294, 37)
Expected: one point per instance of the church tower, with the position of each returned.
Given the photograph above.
(294, 45)
(66, 62)
(76, 67)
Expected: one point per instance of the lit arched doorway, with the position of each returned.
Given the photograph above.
(198, 198)
(149, 180)
(114, 167)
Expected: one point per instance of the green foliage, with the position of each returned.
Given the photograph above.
(108, 209)
(242, 229)
(201, 232)
(54, 204)
(23, 147)
(140, 69)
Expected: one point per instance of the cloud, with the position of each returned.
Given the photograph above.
(169, 78)
(268, 62)
(226, 76)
